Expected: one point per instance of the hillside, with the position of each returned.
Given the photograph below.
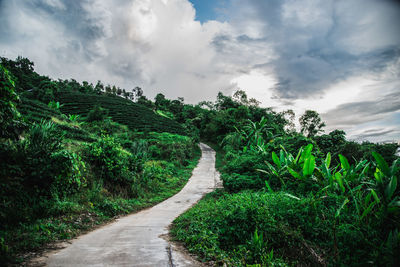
(61, 174)
(135, 116)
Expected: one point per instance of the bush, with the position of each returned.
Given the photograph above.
(239, 171)
(171, 147)
(97, 114)
(301, 231)
(111, 163)
(34, 170)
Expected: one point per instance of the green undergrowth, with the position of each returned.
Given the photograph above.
(65, 176)
(71, 216)
(283, 210)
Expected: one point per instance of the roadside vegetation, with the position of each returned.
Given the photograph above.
(74, 155)
(65, 169)
(292, 198)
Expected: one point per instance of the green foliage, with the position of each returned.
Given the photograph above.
(34, 170)
(47, 165)
(239, 171)
(110, 160)
(222, 228)
(345, 207)
(54, 105)
(97, 114)
(10, 118)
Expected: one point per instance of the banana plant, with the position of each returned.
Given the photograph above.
(385, 183)
(304, 164)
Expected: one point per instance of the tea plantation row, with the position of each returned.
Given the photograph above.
(136, 117)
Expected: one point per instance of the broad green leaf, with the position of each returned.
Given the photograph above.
(395, 165)
(294, 173)
(391, 187)
(281, 156)
(339, 179)
(306, 153)
(382, 164)
(309, 166)
(378, 175)
(344, 163)
(328, 160)
(268, 187)
(298, 155)
(341, 207)
(276, 160)
(360, 165)
(375, 195)
(326, 172)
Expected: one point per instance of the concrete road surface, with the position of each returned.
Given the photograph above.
(135, 240)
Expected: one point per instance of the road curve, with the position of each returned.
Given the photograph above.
(135, 240)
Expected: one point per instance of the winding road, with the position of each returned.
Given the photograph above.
(137, 239)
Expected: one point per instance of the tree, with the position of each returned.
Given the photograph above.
(46, 91)
(145, 102)
(225, 102)
(161, 102)
(254, 102)
(114, 90)
(108, 89)
(86, 87)
(119, 91)
(289, 116)
(240, 96)
(311, 123)
(99, 87)
(136, 93)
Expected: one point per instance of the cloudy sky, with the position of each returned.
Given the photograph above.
(338, 57)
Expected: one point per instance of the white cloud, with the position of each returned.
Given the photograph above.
(298, 54)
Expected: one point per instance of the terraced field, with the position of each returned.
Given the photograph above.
(35, 110)
(136, 117)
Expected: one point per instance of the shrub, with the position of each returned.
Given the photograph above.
(47, 165)
(97, 114)
(239, 171)
(110, 161)
(35, 170)
(300, 231)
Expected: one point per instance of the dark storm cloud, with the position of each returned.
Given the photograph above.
(376, 133)
(319, 43)
(360, 112)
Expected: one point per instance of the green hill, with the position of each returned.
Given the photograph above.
(135, 116)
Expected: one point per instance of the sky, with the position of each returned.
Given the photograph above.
(338, 57)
